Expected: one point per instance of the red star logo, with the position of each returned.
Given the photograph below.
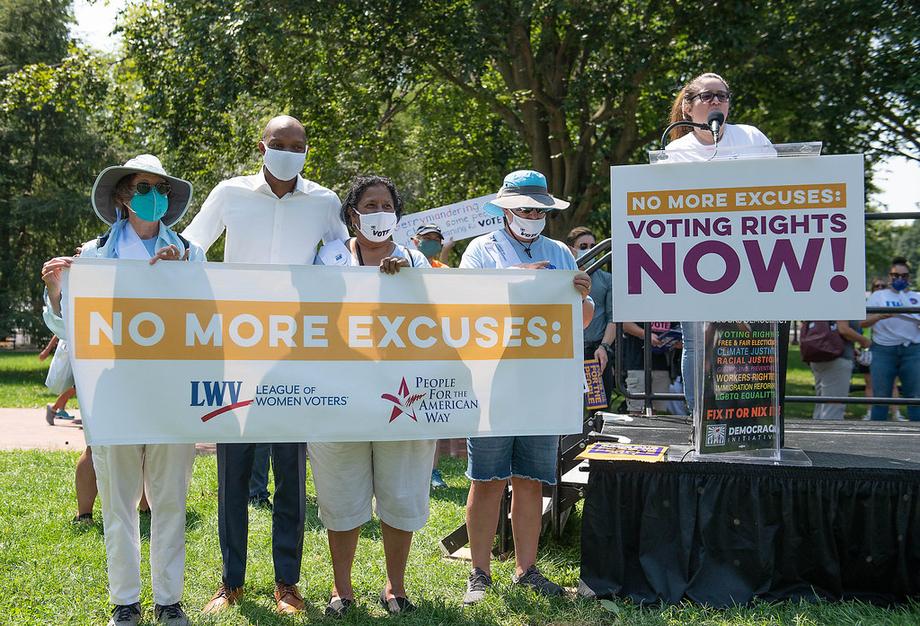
(404, 402)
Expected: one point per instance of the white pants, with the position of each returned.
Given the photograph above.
(164, 471)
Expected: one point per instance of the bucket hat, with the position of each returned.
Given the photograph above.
(523, 189)
(179, 196)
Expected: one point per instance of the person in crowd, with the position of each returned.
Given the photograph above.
(349, 475)
(895, 341)
(58, 408)
(273, 216)
(878, 283)
(140, 202)
(430, 241)
(634, 363)
(832, 378)
(259, 497)
(601, 332)
(700, 97)
(528, 461)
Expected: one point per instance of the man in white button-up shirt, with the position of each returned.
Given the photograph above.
(275, 216)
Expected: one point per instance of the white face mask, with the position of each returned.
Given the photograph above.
(377, 226)
(282, 164)
(527, 229)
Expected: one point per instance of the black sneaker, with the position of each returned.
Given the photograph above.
(538, 582)
(476, 587)
(171, 615)
(125, 615)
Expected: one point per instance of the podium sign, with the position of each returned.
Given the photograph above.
(739, 392)
(765, 239)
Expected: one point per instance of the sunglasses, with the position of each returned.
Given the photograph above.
(529, 211)
(143, 188)
(586, 246)
(878, 286)
(707, 96)
(896, 275)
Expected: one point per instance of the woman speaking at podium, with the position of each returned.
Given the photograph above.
(700, 101)
(697, 102)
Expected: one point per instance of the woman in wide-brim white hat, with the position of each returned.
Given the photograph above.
(140, 202)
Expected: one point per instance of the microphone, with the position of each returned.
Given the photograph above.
(715, 121)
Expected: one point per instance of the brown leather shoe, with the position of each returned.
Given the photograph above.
(288, 598)
(224, 597)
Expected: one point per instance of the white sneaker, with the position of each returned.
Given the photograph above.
(897, 417)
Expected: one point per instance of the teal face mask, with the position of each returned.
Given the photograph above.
(429, 248)
(150, 206)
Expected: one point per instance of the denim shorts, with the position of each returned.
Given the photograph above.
(500, 458)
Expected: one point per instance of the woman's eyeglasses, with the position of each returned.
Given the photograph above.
(585, 246)
(878, 286)
(529, 211)
(707, 96)
(896, 275)
(143, 188)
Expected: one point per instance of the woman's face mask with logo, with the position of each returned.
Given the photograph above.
(525, 228)
(377, 226)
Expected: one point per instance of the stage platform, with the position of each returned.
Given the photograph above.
(724, 534)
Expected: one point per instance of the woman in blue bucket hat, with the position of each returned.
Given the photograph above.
(528, 461)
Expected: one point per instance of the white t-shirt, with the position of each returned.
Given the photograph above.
(747, 138)
(900, 329)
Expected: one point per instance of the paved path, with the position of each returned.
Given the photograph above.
(26, 429)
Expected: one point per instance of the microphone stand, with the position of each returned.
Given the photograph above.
(667, 130)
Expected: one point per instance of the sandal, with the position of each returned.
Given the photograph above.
(338, 607)
(396, 605)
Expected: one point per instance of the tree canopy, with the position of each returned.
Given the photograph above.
(577, 86)
(444, 97)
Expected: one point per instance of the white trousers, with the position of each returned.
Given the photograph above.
(164, 471)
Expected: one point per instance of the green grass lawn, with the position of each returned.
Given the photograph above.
(22, 381)
(52, 572)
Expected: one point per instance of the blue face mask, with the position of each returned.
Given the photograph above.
(429, 248)
(899, 284)
(150, 206)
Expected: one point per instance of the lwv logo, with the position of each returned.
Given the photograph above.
(215, 392)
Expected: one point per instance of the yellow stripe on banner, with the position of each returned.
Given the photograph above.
(190, 330)
(768, 198)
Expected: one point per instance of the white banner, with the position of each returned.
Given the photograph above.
(461, 220)
(762, 239)
(200, 352)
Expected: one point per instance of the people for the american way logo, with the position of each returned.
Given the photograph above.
(404, 403)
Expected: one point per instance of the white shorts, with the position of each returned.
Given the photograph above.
(348, 475)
